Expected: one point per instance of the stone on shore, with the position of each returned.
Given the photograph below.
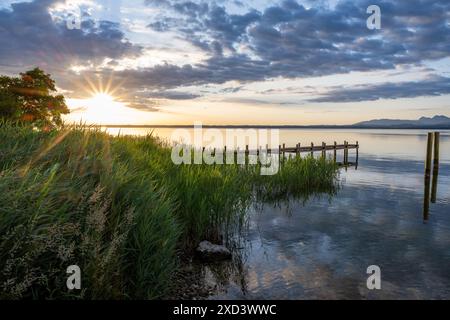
(212, 252)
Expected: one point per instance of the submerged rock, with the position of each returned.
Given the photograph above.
(212, 252)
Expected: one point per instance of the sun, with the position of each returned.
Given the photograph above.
(103, 108)
(101, 99)
(104, 102)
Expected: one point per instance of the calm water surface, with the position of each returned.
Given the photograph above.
(321, 249)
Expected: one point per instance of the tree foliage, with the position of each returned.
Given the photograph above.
(31, 98)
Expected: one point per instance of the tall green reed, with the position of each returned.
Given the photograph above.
(120, 209)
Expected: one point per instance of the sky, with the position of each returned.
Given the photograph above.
(296, 62)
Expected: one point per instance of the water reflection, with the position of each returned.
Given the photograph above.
(321, 248)
(320, 251)
(399, 144)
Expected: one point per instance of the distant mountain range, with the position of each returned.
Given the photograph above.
(441, 122)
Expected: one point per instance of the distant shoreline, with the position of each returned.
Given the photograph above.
(276, 127)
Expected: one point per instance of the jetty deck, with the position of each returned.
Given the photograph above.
(284, 151)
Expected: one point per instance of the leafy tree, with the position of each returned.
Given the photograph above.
(31, 98)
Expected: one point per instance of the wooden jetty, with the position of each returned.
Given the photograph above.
(284, 151)
(323, 147)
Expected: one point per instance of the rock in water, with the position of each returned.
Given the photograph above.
(213, 252)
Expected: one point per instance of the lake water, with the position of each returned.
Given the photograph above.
(321, 249)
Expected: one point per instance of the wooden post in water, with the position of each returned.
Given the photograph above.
(357, 151)
(357, 155)
(426, 196)
(284, 151)
(312, 149)
(435, 167)
(298, 149)
(335, 152)
(225, 156)
(324, 150)
(345, 153)
(279, 154)
(203, 153)
(348, 153)
(247, 154)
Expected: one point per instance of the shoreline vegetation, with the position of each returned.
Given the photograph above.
(118, 207)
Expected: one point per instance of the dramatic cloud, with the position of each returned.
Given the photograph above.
(289, 40)
(29, 36)
(435, 86)
(284, 40)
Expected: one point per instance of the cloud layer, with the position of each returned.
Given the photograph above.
(288, 40)
(30, 36)
(285, 40)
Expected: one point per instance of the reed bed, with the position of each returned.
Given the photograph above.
(120, 209)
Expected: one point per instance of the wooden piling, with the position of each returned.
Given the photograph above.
(279, 154)
(357, 151)
(225, 156)
(434, 183)
(345, 153)
(357, 155)
(426, 197)
(312, 149)
(348, 153)
(324, 150)
(335, 152)
(247, 154)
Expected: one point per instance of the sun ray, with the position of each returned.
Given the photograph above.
(109, 83)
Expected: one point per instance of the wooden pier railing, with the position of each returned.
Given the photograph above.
(298, 149)
(284, 151)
